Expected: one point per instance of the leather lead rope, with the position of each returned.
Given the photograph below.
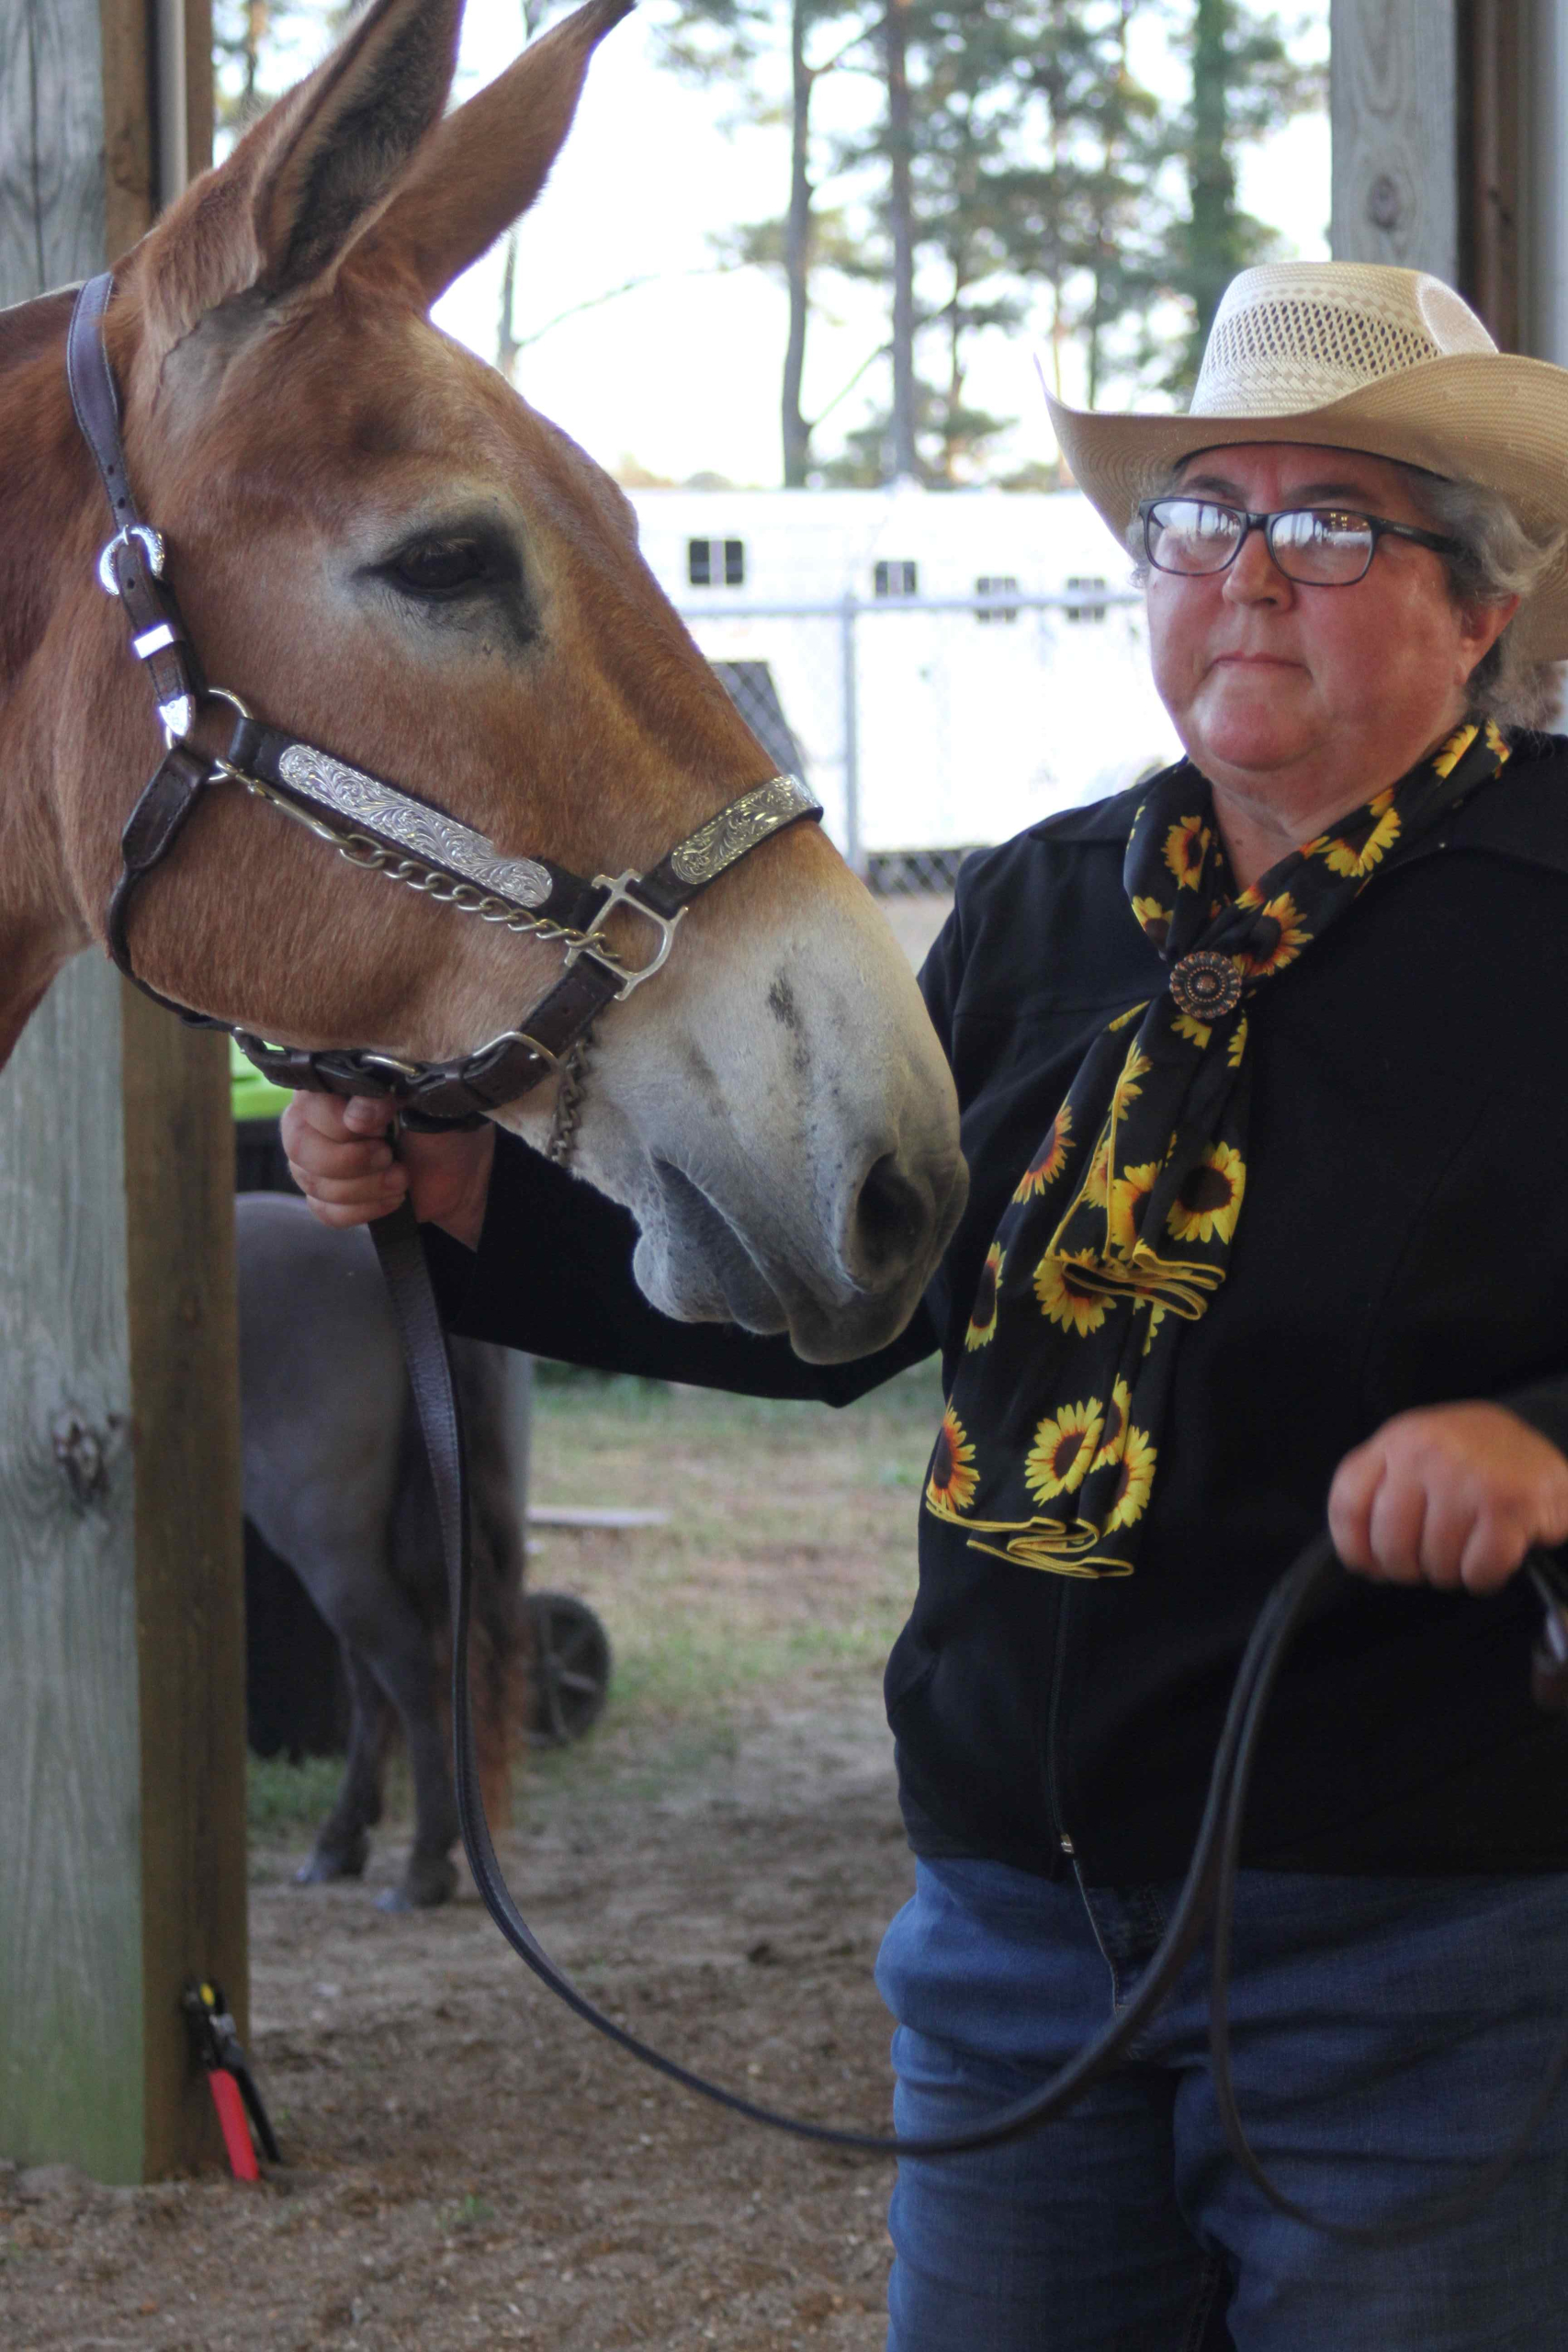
(1206, 1903)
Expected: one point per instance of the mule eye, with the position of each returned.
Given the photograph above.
(440, 568)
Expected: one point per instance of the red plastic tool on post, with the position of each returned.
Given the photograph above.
(217, 2049)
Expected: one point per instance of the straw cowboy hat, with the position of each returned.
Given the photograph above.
(1354, 356)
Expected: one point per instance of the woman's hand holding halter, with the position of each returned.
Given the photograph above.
(341, 1155)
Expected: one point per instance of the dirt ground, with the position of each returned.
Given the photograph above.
(465, 2163)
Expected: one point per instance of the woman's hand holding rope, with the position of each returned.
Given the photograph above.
(1448, 1495)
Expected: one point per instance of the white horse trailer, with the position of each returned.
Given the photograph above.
(951, 666)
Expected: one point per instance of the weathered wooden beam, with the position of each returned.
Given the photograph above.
(121, 1658)
(1543, 194)
(190, 1607)
(70, 1977)
(51, 170)
(1448, 153)
(1393, 102)
(130, 186)
(1491, 161)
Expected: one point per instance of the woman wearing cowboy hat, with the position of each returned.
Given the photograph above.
(1266, 1118)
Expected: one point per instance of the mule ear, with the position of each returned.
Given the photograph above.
(488, 159)
(300, 182)
(354, 124)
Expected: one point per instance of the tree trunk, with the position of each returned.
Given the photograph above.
(1054, 269)
(1104, 251)
(256, 33)
(954, 376)
(797, 255)
(901, 212)
(1213, 257)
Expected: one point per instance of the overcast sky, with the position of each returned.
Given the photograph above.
(683, 375)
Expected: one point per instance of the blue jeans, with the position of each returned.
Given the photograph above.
(1388, 2034)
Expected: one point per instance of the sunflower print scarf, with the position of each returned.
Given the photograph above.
(1120, 1227)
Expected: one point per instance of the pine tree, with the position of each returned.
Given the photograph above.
(1035, 154)
(1081, 218)
(715, 40)
(1245, 83)
(969, 108)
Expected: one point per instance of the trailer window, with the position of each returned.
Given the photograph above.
(712, 563)
(996, 583)
(1092, 589)
(897, 579)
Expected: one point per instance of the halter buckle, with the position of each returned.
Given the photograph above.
(152, 548)
(177, 717)
(618, 893)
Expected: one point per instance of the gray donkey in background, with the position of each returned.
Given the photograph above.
(336, 1483)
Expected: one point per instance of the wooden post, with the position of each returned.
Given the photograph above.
(1540, 97)
(1447, 126)
(122, 1837)
(1393, 100)
(1491, 96)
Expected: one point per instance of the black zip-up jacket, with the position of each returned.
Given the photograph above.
(1403, 1241)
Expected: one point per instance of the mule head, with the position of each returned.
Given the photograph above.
(380, 547)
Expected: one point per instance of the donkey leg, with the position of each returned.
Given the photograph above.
(394, 1642)
(343, 1842)
(429, 1875)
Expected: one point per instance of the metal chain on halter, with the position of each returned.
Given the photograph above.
(371, 857)
(570, 1089)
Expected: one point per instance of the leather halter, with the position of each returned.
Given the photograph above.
(375, 825)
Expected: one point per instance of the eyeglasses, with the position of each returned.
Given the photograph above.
(1321, 547)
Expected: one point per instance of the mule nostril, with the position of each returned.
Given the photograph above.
(889, 1224)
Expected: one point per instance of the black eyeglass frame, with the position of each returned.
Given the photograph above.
(1378, 525)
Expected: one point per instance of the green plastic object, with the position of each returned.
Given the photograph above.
(252, 1095)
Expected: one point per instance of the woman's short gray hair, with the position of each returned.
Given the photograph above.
(1498, 556)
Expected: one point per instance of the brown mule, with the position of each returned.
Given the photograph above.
(377, 544)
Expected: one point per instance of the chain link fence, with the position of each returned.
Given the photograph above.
(930, 727)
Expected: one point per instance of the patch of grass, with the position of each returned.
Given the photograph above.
(468, 2212)
(281, 1797)
(731, 1468)
(784, 1571)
